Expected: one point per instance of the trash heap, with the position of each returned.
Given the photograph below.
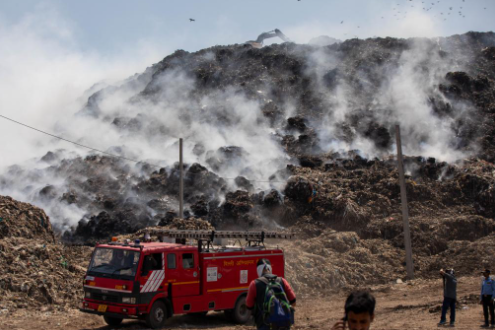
(37, 273)
(295, 88)
(19, 219)
(176, 223)
(344, 207)
(190, 224)
(335, 261)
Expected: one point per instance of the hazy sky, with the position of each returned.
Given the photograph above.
(113, 26)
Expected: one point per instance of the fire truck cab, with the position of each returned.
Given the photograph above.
(155, 280)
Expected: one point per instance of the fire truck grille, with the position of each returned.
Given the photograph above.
(105, 297)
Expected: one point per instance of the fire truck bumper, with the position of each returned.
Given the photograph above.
(125, 311)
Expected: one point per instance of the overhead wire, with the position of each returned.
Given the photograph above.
(77, 144)
(107, 153)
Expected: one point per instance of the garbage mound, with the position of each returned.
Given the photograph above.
(40, 275)
(37, 272)
(188, 224)
(297, 137)
(18, 219)
(326, 109)
(339, 260)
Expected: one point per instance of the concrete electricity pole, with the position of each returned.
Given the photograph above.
(405, 210)
(181, 182)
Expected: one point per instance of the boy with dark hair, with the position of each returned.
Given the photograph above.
(359, 312)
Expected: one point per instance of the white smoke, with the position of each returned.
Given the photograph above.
(46, 80)
(401, 99)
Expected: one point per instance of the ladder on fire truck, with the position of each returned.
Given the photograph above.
(206, 238)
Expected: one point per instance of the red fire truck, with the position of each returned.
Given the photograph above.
(155, 280)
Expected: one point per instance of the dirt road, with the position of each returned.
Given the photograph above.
(399, 306)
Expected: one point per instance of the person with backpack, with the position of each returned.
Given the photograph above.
(359, 312)
(271, 299)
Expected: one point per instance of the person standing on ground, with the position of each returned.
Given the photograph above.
(359, 312)
(257, 293)
(487, 296)
(449, 296)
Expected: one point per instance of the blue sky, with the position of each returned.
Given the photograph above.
(112, 26)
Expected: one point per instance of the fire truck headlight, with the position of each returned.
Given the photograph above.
(87, 295)
(129, 300)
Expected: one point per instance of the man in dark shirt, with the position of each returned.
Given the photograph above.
(256, 296)
(449, 296)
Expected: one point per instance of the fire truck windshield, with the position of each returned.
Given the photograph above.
(116, 263)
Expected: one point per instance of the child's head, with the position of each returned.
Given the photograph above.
(360, 310)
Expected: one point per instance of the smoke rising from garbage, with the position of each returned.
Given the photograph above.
(230, 104)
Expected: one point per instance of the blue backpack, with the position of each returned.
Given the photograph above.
(276, 308)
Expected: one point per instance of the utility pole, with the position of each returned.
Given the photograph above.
(405, 210)
(181, 182)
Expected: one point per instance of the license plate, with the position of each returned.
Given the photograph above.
(102, 308)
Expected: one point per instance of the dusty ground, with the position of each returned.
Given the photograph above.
(399, 306)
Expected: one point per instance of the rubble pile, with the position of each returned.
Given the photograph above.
(37, 273)
(40, 275)
(189, 224)
(338, 260)
(317, 104)
(19, 219)
(341, 189)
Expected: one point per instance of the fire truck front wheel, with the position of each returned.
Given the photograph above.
(157, 316)
(112, 320)
(240, 313)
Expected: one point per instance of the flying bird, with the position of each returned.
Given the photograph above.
(192, 20)
(342, 22)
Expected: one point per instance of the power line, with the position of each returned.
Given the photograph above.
(104, 152)
(77, 144)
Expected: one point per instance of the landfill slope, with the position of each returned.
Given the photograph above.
(38, 273)
(327, 116)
